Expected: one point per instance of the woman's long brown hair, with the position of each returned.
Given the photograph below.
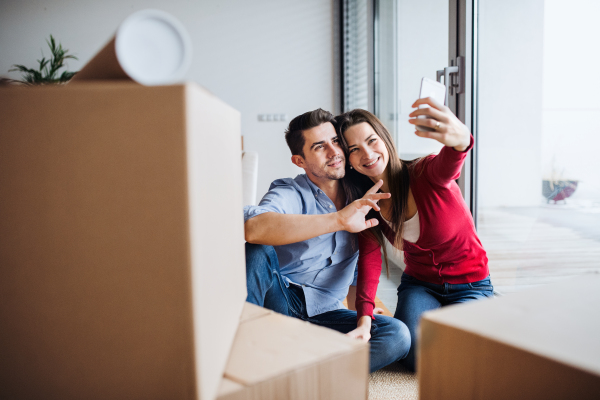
(398, 174)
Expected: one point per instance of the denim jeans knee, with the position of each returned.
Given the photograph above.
(263, 280)
(390, 341)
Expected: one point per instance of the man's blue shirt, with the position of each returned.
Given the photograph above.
(325, 265)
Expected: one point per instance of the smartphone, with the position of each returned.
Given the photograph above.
(434, 89)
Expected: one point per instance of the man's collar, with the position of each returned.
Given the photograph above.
(315, 189)
(313, 186)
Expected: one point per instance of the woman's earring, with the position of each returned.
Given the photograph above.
(351, 167)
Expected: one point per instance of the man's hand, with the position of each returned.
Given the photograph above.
(363, 330)
(273, 228)
(352, 217)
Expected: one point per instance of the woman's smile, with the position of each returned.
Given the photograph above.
(368, 153)
(371, 164)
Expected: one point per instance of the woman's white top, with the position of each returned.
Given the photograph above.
(412, 230)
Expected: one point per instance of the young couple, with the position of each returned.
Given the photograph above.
(314, 236)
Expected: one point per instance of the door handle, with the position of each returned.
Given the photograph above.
(454, 77)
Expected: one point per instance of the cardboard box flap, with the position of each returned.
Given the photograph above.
(228, 387)
(302, 344)
(558, 321)
(252, 311)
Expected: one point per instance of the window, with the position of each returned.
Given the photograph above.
(538, 112)
(532, 101)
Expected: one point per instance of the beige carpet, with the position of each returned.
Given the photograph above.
(393, 382)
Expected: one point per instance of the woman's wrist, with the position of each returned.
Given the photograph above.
(364, 322)
(461, 148)
(465, 145)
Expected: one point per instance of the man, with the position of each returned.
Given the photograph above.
(301, 252)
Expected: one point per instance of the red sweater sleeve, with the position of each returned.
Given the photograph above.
(369, 270)
(445, 167)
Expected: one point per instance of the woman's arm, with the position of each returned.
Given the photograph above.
(363, 329)
(369, 270)
(446, 166)
(451, 132)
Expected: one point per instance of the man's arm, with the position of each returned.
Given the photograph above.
(275, 229)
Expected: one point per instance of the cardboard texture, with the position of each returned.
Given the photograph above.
(252, 311)
(278, 357)
(104, 65)
(536, 344)
(120, 224)
(230, 390)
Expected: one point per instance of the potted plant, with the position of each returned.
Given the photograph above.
(555, 187)
(48, 69)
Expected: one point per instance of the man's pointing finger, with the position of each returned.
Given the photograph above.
(378, 196)
(369, 203)
(371, 223)
(376, 187)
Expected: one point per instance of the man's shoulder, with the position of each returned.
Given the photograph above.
(300, 183)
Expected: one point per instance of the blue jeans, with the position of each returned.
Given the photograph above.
(390, 338)
(415, 297)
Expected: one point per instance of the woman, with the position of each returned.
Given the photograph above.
(426, 217)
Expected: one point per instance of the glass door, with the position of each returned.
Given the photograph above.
(404, 53)
(410, 40)
(538, 110)
(529, 94)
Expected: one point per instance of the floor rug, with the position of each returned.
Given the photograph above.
(393, 382)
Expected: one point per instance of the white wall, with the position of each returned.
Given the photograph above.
(571, 114)
(260, 56)
(510, 102)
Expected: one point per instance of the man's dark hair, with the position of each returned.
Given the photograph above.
(294, 134)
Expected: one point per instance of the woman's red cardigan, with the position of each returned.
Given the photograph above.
(448, 249)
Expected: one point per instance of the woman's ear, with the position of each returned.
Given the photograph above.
(298, 161)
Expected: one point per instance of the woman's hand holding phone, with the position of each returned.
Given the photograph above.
(447, 128)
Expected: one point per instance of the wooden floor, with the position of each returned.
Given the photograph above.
(524, 251)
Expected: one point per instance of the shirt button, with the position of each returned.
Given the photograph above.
(430, 254)
(330, 206)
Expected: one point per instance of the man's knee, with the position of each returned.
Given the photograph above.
(397, 337)
(260, 258)
(258, 253)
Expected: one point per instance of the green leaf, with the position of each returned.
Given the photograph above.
(48, 68)
(66, 76)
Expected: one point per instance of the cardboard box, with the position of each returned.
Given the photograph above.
(120, 228)
(275, 357)
(536, 344)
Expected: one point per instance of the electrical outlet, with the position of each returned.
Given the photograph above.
(272, 117)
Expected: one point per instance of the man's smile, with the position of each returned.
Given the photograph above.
(336, 163)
